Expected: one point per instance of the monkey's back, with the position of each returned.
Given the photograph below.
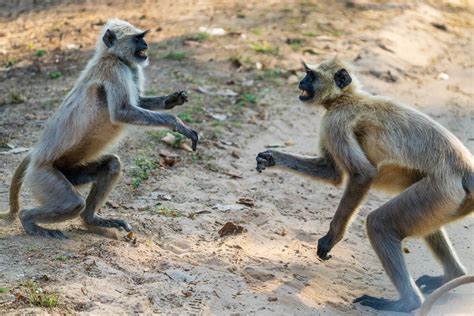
(393, 135)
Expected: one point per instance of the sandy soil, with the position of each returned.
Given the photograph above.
(179, 264)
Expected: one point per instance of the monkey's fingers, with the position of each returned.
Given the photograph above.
(183, 96)
(261, 164)
(194, 139)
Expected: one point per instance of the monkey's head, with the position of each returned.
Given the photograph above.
(325, 82)
(125, 41)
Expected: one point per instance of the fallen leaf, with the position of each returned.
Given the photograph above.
(230, 228)
(246, 201)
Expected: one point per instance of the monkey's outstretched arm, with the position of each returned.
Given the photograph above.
(164, 102)
(122, 111)
(361, 174)
(322, 168)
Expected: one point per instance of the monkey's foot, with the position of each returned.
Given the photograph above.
(428, 283)
(109, 223)
(264, 159)
(401, 305)
(36, 230)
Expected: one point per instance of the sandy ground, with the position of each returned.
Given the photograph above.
(179, 264)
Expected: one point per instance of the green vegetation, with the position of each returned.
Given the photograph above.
(264, 48)
(191, 114)
(308, 34)
(4, 290)
(15, 97)
(37, 297)
(198, 37)
(295, 43)
(10, 63)
(142, 168)
(40, 53)
(257, 30)
(175, 55)
(56, 74)
(247, 98)
(167, 212)
(62, 258)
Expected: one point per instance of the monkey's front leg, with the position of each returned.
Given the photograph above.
(321, 168)
(356, 189)
(130, 114)
(163, 103)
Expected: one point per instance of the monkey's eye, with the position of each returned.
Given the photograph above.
(311, 75)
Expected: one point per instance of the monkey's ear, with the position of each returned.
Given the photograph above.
(342, 78)
(306, 67)
(109, 38)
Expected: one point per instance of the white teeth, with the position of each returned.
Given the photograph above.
(304, 93)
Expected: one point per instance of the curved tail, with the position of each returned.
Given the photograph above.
(428, 303)
(15, 187)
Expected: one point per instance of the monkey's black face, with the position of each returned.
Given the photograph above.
(306, 86)
(141, 47)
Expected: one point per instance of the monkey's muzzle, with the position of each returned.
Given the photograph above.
(141, 53)
(306, 94)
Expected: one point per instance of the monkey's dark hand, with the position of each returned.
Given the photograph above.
(325, 245)
(175, 99)
(265, 159)
(189, 133)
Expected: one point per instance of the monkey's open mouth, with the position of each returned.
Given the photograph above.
(141, 54)
(306, 95)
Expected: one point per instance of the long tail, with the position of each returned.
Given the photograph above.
(15, 187)
(428, 303)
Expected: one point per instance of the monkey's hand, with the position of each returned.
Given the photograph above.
(189, 133)
(325, 245)
(265, 159)
(175, 99)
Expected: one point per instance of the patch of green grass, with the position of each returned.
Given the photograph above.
(167, 212)
(4, 290)
(40, 53)
(62, 258)
(185, 117)
(191, 114)
(15, 97)
(247, 98)
(142, 168)
(273, 73)
(264, 48)
(56, 74)
(295, 43)
(10, 63)
(37, 297)
(257, 30)
(308, 34)
(198, 37)
(175, 55)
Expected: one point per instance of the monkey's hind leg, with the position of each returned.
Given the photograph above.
(58, 198)
(423, 207)
(444, 252)
(103, 174)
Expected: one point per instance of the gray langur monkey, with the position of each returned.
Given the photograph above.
(374, 142)
(106, 98)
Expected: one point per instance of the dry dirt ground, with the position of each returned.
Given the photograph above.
(417, 51)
